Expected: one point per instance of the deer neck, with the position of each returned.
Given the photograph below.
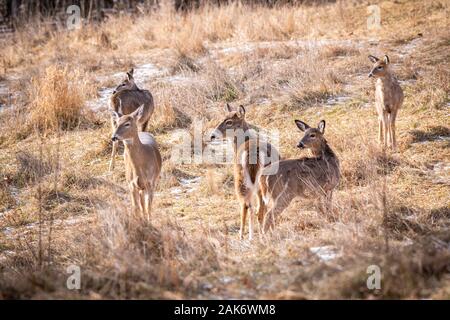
(133, 145)
(387, 81)
(238, 142)
(323, 151)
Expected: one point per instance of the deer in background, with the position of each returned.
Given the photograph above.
(142, 159)
(388, 99)
(251, 155)
(311, 177)
(126, 98)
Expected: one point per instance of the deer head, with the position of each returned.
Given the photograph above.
(128, 83)
(234, 120)
(380, 66)
(313, 137)
(126, 125)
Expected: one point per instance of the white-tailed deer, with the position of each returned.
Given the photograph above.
(388, 99)
(311, 177)
(251, 154)
(126, 98)
(142, 159)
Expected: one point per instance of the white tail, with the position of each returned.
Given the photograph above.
(250, 156)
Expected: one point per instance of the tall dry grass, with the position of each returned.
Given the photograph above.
(190, 249)
(57, 99)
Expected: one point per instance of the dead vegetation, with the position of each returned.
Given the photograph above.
(58, 206)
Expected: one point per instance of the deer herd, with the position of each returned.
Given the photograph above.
(260, 173)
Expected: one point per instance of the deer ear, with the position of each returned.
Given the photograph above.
(228, 108)
(115, 116)
(373, 58)
(130, 74)
(321, 126)
(241, 111)
(138, 113)
(386, 59)
(301, 125)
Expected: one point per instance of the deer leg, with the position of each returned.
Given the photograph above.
(115, 145)
(385, 129)
(392, 128)
(140, 201)
(148, 202)
(260, 210)
(250, 224)
(244, 210)
(380, 130)
(275, 210)
(328, 203)
(134, 198)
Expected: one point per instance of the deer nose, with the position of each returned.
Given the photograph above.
(114, 138)
(370, 75)
(301, 145)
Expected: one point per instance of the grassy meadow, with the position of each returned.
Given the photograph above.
(59, 205)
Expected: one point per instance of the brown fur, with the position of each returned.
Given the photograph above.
(246, 170)
(388, 100)
(126, 99)
(305, 177)
(142, 160)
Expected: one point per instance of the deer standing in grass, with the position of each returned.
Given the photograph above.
(142, 159)
(251, 154)
(388, 99)
(126, 98)
(311, 177)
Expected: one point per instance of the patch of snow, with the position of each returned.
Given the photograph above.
(441, 171)
(189, 182)
(102, 102)
(180, 79)
(407, 82)
(226, 280)
(8, 231)
(332, 101)
(142, 74)
(325, 253)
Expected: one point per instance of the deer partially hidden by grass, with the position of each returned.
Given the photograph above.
(142, 159)
(313, 177)
(388, 99)
(251, 155)
(126, 98)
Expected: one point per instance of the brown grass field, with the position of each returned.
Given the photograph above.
(60, 206)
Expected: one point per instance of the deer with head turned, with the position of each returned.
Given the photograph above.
(142, 159)
(308, 177)
(251, 155)
(126, 98)
(388, 99)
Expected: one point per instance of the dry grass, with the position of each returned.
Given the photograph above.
(57, 99)
(59, 206)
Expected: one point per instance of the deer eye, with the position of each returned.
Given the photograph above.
(127, 124)
(229, 123)
(312, 135)
(380, 68)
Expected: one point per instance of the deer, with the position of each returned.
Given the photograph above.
(388, 100)
(309, 177)
(251, 154)
(142, 159)
(126, 98)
